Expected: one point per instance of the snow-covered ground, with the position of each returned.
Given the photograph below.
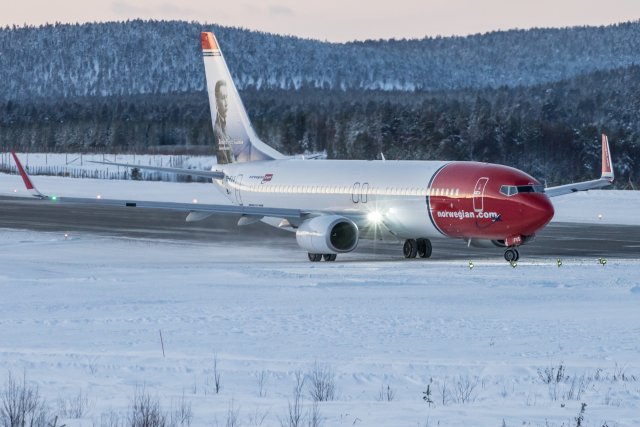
(84, 315)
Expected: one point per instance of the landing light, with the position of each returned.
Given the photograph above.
(374, 217)
(195, 200)
(98, 197)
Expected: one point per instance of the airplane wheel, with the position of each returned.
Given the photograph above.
(511, 255)
(517, 254)
(424, 248)
(315, 257)
(410, 248)
(329, 257)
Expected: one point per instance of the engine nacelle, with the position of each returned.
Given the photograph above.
(328, 234)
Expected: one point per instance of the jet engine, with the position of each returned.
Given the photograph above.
(328, 234)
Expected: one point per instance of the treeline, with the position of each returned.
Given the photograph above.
(551, 131)
(154, 57)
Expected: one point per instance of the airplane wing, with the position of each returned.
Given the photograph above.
(605, 180)
(177, 171)
(251, 211)
(196, 211)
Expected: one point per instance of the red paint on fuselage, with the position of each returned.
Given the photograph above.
(465, 202)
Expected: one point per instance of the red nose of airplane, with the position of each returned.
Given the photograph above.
(540, 211)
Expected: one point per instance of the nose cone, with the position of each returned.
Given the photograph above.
(539, 212)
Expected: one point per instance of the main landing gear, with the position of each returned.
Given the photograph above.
(417, 247)
(320, 257)
(511, 255)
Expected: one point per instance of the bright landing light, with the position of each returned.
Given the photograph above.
(374, 217)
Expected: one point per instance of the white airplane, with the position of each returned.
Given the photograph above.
(332, 204)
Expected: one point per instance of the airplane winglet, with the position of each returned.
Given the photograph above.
(607, 165)
(605, 180)
(27, 180)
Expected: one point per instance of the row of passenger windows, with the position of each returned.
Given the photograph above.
(320, 189)
(453, 192)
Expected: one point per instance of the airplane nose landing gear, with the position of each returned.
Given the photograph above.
(511, 255)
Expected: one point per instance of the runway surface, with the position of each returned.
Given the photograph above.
(557, 240)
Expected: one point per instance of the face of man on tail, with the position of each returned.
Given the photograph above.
(221, 98)
(225, 154)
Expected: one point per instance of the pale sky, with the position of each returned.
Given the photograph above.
(336, 20)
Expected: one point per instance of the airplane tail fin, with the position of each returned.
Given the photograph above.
(234, 136)
(607, 166)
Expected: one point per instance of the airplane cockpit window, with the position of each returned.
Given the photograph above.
(530, 188)
(510, 190)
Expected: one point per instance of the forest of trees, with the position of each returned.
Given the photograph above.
(141, 57)
(551, 131)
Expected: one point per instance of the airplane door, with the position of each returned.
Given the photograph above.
(238, 185)
(355, 193)
(364, 194)
(478, 194)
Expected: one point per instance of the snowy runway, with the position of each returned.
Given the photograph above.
(85, 314)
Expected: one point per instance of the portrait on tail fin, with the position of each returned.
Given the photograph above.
(221, 138)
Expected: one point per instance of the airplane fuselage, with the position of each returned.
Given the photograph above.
(467, 200)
